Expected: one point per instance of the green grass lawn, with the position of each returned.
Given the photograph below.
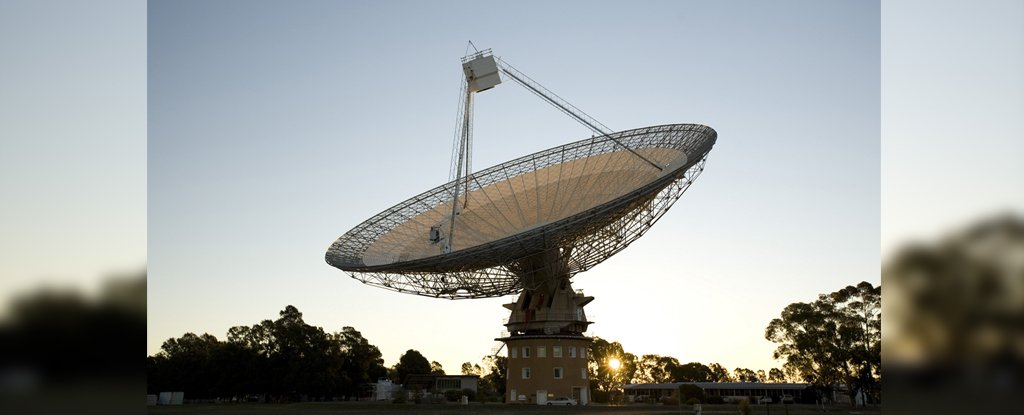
(316, 408)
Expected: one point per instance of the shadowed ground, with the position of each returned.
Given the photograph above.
(314, 408)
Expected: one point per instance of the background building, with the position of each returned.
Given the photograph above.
(729, 391)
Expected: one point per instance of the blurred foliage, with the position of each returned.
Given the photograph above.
(959, 300)
(64, 351)
(954, 325)
(60, 335)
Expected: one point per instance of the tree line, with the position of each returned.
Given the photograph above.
(833, 340)
(280, 360)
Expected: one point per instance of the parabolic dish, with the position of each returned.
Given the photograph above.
(581, 202)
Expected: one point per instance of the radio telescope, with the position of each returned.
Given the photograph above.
(526, 227)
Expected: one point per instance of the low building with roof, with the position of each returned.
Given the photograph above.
(728, 391)
(426, 385)
(440, 383)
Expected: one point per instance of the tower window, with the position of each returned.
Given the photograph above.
(542, 351)
(526, 373)
(556, 351)
(558, 373)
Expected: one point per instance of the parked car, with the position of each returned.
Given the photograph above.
(787, 398)
(561, 400)
(764, 399)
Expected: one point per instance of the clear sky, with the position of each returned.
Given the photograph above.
(275, 127)
(952, 124)
(72, 143)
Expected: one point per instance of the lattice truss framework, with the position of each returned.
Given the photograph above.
(503, 254)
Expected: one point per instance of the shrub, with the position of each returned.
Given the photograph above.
(715, 400)
(686, 392)
(400, 397)
(745, 408)
(692, 401)
(670, 400)
(452, 395)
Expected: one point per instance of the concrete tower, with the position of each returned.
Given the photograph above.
(547, 351)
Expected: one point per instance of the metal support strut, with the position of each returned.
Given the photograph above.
(565, 107)
(485, 79)
(464, 164)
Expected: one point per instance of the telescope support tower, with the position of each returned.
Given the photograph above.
(547, 351)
